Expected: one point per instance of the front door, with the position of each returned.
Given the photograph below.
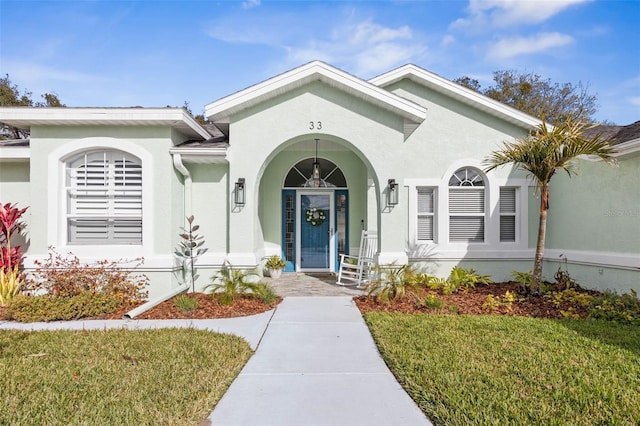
(315, 231)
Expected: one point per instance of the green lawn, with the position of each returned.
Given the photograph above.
(115, 377)
(496, 370)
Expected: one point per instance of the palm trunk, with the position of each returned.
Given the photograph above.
(542, 230)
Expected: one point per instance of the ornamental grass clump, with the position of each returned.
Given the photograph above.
(394, 283)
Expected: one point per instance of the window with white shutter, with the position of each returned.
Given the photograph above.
(466, 206)
(508, 214)
(425, 223)
(104, 198)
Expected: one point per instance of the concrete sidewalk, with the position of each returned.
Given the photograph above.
(250, 328)
(316, 365)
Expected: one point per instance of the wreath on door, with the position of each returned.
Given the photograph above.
(315, 216)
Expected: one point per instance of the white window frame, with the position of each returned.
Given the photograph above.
(104, 198)
(426, 214)
(478, 186)
(515, 214)
(57, 231)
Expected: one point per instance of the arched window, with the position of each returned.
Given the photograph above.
(466, 206)
(301, 175)
(104, 198)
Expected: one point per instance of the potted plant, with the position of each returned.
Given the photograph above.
(275, 264)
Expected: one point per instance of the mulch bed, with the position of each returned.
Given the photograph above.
(471, 303)
(208, 307)
(460, 303)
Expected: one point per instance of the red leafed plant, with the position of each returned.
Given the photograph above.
(10, 224)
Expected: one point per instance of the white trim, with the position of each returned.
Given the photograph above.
(220, 110)
(492, 247)
(201, 155)
(56, 220)
(178, 118)
(20, 153)
(432, 252)
(451, 89)
(621, 149)
(595, 258)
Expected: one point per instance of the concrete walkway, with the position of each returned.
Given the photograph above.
(317, 364)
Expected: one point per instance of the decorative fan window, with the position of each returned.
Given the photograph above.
(327, 175)
(104, 198)
(466, 206)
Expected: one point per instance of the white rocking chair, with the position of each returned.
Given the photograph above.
(355, 270)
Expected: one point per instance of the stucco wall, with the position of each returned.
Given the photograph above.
(594, 222)
(162, 199)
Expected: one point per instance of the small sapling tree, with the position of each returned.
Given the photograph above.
(189, 249)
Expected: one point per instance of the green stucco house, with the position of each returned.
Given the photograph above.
(400, 154)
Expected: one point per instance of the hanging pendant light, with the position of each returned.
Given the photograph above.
(315, 173)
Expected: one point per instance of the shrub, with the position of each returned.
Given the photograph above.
(508, 299)
(612, 307)
(467, 278)
(10, 283)
(433, 302)
(525, 279)
(394, 283)
(10, 224)
(65, 276)
(229, 284)
(491, 303)
(47, 308)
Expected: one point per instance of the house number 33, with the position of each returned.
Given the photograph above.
(315, 125)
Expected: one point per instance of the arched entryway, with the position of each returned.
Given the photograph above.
(315, 212)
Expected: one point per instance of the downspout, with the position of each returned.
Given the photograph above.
(180, 167)
(155, 302)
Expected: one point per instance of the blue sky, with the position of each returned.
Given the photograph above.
(159, 53)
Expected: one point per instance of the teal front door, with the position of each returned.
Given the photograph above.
(315, 231)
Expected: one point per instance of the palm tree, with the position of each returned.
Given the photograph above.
(546, 150)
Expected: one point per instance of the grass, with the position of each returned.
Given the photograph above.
(495, 370)
(143, 377)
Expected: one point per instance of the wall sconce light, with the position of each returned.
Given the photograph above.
(240, 192)
(393, 192)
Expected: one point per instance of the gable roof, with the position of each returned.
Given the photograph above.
(220, 110)
(177, 118)
(456, 91)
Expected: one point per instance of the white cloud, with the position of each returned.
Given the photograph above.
(250, 4)
(363, 47)
(510, 47)
(635, 101)
(30, 72)
(487, 14)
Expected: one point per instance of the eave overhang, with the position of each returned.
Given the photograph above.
(25, 118)
(14, 154)
(221, 110)
(201, 155)
(458, 92)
